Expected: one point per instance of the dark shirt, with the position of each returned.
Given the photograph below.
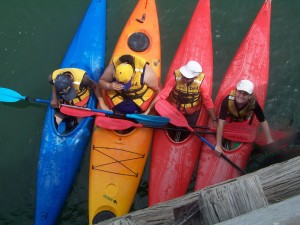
(257, 110)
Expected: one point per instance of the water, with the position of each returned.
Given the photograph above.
(34, 36)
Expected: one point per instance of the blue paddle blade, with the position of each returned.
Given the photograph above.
(8, 95)
(149, 120)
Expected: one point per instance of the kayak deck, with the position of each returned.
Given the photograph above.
(250, 62)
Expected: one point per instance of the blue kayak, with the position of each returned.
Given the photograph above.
(61, 153)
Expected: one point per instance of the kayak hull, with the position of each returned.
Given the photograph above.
(250, 62)
(173, 162)
(118, 159)
(61, 154)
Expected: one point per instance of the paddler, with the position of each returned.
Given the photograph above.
(187, 90)
(71, 86)
(239, 106)
(130, 83)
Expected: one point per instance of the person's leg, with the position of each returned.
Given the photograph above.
(58, 116)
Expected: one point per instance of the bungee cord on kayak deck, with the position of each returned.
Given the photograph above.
(116, 161)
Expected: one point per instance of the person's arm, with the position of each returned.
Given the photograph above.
(54, 102)
(208, 103)
(261, 118)
(151, 80)
(266, 129)
(106, 81)
(212, 114)
(220, 128)
(102, 103)
(88, 82)
(163, 94)
(219, 135)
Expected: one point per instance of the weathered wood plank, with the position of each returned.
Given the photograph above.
(231, 200)
(278, 182)
(283, 213)
(281, 181)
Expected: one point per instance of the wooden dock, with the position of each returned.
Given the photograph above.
(267, 196)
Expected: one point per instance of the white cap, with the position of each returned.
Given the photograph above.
(245, 85)
(191, 70)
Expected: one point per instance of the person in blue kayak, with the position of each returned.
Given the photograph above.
(71, 86)
(186, 91)
(130, 84)
(239, 106)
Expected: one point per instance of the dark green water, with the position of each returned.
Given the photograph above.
(34, 36)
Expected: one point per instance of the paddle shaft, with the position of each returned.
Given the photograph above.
(115, 123)
(8, 95)
(164, 108)
(213, 148)
(180, 129)
(148, 120)
(39, 100)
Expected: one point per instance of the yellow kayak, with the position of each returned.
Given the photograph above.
(118, 159)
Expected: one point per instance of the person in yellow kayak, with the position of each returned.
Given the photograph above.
(239, 106)
(130, 84)
(187, 90)
(71, 86)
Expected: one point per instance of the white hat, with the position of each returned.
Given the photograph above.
(191, 70)
(245, 85)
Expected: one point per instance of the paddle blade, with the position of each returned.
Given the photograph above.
(115, 124)
(261, 138)
(279, 144)
(149, 120)
(8, 95)
(239, 132)
(164, 108)
(78, 112)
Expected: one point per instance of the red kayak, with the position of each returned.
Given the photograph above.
(174, 156)
(251, 62)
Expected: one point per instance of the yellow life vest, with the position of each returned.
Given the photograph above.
(235, 115)
(139, 92)
(184, 95)
(82, 94)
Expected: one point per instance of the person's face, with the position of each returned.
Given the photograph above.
(186, 80)
(242, 97)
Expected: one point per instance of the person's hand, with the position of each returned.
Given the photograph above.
(147, 111)
(117, 86)
(270, 140)
(103, 106)
(55, 103)
(215, 124)
(218, 150)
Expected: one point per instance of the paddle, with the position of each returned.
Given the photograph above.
(261, 138)
(8, 95)
(114, 123)
(278, 151)
(273, 147)
(164, 108)
(117, 124)
(148, 120)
